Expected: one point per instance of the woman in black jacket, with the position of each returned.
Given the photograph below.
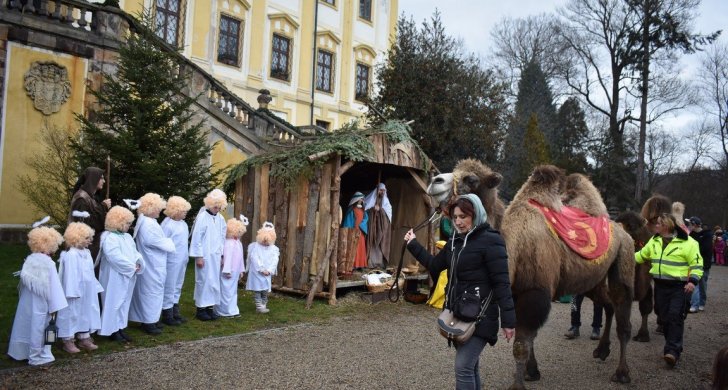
(476, 260)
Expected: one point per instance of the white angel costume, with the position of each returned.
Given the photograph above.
(118, 259)
(208, 239)
(233, 265)
(40, 295)
(178, 232)
(146, 303)
(76, 272)
(261, 258)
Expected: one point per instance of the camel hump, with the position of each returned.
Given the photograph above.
(546, 175)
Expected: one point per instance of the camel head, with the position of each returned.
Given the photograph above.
(635, 226)
(469, 177)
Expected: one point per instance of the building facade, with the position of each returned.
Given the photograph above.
(53, 54)
(289, 47)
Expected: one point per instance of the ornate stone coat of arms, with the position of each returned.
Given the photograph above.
(48, 86)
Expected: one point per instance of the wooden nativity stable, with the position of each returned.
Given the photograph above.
(307, 214)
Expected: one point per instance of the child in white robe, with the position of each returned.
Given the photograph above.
(206, 245)
(76, 270)
(41, 295)
(146, 303)
(262, 265)
(120, 263)
(233, 266)
(175, 228)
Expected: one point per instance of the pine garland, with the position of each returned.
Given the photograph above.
(349, 142)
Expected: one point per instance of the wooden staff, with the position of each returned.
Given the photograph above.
(108, 175)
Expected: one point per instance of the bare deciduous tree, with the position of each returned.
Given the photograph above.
(520, 41)
(48, 186)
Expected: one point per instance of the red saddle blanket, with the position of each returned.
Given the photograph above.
(586, 235)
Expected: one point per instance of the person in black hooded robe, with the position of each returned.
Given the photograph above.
(87, 196)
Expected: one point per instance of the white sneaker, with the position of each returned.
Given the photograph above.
(701, 308)
(693, 309)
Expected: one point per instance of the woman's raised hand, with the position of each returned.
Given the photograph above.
(409, 236)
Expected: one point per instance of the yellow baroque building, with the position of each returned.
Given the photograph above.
(316, 57)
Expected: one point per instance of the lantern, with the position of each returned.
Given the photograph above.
(51, 331)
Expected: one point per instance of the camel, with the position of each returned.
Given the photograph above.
(542, 267)
(472, 177)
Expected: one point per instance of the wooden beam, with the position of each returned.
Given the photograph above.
(418, 179)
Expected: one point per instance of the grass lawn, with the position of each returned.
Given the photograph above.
(285, 310)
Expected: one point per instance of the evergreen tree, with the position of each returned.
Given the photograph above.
(536, 148)
(570, 153)
(534, 98)
(145, 122)
(457, 107)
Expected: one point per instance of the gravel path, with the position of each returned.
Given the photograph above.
(392, 346)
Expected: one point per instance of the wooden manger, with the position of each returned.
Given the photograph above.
(307, 214)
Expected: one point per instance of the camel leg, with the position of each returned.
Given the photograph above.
(621, 294)
(532, 310)
(600, 295)
(602, 350)
(643, 335)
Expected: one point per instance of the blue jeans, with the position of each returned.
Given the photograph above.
(701, 290)
(467, 357)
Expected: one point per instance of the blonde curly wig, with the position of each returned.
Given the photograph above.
(76, 234)
(235, 228)
(216, 198)
(117, 217)
(44, 239)
(151, 203)
(177, 205)
(266, 236)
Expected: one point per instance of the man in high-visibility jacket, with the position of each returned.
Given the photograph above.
(676, 269)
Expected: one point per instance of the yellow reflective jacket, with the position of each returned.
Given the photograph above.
(680, 260)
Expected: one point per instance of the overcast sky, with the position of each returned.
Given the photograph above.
(472, 20)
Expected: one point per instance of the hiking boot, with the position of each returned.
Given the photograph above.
(572, 333)
(122, 333)
(670, 359)
(151, 329)
(116, 336)
(211, 312)
(176, 314)
(70, 347)
(595, 334)
(202, 314)
(87, 344)
(168, 318)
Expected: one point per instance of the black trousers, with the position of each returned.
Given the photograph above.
(672, 304)
(576, 302)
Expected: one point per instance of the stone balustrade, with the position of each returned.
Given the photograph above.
(78, 14)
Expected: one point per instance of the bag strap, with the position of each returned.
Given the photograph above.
(483, 308)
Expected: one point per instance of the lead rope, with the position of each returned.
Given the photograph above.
(395, 285)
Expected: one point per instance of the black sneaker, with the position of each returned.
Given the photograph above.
(151, 329)
(211, 312)
(123, 334)
(116, 336)
(202, 314)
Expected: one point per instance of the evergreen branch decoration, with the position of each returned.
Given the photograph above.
(349, 142)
